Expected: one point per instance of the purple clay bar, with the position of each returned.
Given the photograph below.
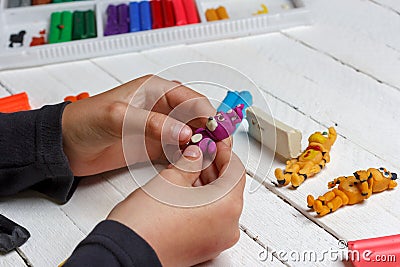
(112, 21)
(123, 18)
(117, 19)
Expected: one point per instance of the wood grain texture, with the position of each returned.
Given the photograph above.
(82, 76)
(244, 253)
(3, 92)
(393, 5)
(270, 220)
(53, 234)
(41, 88)
(357, 33)
(11, 259)
(320, 88)
(91, 203)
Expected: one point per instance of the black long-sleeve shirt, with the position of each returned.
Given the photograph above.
(31, 156)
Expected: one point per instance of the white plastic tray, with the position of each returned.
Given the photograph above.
(282, 14)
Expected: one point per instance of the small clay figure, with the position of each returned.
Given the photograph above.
(218, 128)
(310, 162)
(352, 189)
(17, 39)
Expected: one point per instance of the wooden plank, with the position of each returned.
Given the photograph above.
(91, 203)
(41, 88)
(244, 253)
(272, 221)
(356, 33)
(53, 234)
(82, 76)
(127, 67)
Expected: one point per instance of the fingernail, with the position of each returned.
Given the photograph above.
(185, 133)
(180, 132)
(192, 151)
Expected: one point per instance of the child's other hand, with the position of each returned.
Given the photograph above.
(185, 236)
(92, 128)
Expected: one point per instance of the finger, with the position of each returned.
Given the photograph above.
(223, 156)
(209, 175)
(192, 106)
(230, 167)
(156, 126)
(187, 169)
(160, 95)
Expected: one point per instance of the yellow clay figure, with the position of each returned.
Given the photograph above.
(264, 10)
(310, 162)
(352, 189)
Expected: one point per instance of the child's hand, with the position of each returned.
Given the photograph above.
(190, 235)
(92, 128)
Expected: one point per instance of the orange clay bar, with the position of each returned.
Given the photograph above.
(211, 15)
(222, 13)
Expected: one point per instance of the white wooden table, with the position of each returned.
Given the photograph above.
(343, 70)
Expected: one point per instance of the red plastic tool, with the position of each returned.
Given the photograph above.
(381, 251)
(180, 14)
(191, 11)
(14, 103)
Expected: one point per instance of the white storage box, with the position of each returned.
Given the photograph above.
(33, 19)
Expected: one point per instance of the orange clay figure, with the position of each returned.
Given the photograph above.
(310, 162)
(352, 189)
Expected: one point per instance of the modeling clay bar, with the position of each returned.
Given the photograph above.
(18, 3)
(219, 13)
(168, 13)
(60, 27)
(66, 26)
(84, 25)
(41, 2)
(385, 248)
(148, 15)
(262, 127)
(14, 103)
(157, 14)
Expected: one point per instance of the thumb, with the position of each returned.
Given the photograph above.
(156, 126)
(187, 169)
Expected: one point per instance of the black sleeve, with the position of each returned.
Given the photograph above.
(31, 153)
(113, 244)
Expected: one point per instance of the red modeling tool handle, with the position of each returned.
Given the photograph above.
(380, 251)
